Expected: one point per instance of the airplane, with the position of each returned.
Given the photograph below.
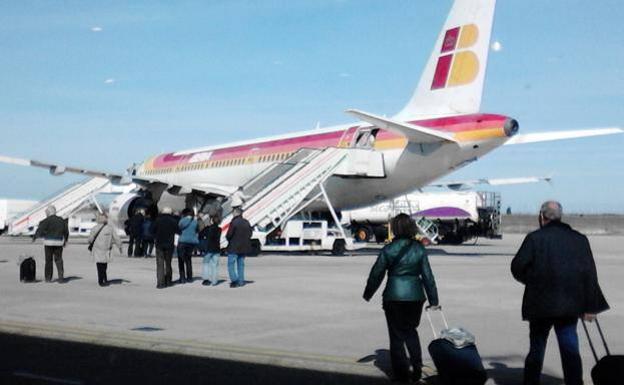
(440, 130)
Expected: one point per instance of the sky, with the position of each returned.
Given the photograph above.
(104, 84)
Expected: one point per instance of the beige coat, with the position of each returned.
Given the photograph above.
(103, 246)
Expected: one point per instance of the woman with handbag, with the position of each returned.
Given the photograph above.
(409, 277)
(101, 241)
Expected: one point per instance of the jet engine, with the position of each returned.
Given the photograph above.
(125, 205)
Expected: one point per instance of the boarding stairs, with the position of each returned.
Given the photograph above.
(427, 228)
(66, 202)
(285, 188)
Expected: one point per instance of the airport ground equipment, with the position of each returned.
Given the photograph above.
(66, 202)
(307, 235)
(9, 208)
(286, 188)
(457, 216)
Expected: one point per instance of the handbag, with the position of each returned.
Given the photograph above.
(96, 236)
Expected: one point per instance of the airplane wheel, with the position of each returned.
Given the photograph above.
(339, 247)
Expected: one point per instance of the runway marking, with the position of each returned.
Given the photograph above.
(46, 378)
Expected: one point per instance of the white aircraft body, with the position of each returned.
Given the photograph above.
(441, 129)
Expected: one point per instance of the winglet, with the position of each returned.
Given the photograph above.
(412, 132)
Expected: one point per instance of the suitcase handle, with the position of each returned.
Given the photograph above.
(427, 311)
(589, 339)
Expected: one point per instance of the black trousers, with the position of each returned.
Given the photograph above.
(56, 253)
(185, 265)
(403, 317)
(147, 247)
(163, 265)
(101, 271)
(135, 244)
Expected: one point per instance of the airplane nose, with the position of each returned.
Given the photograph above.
(511, 127)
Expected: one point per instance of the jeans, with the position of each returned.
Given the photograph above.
(185, 264)
(163, 266)
(565, 328)
(403, 317)
(56, 253)
(211, 268)
(236, 268)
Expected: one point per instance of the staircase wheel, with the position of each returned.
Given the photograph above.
(256, 248)
(339, 247)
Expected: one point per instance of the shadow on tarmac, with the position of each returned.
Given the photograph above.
(501, 374)
(32, 360)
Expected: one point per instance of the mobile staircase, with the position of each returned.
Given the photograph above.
(66, 202)
(426, 227)
(285, 188)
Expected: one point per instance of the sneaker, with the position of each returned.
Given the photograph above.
(206, 282)
(233, 285)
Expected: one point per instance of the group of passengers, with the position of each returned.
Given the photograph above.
(185, 234)
(555, 264)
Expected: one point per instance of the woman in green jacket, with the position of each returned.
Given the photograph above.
(409, 277)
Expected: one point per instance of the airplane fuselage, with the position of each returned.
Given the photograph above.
(407, 165)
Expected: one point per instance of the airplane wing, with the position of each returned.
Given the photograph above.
(58, 169)
(558, 135)
(123, 179)
(412, 132)
(468, 184)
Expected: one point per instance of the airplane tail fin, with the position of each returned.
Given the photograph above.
(452, 82)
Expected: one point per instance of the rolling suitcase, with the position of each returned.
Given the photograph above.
(609, 370)
(28, 269)
(455, 356)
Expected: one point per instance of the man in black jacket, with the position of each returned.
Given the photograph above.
(135, 233)
(55, 233)
(556, 265)
(164, 229)
(239, 244)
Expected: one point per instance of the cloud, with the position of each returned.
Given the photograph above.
(344, 75)
(96, 29)
(109, 81)
(497, 46)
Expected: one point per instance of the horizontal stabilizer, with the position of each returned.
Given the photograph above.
(413, 133)
(558, 135)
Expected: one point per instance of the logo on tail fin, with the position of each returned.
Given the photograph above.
(458, 65)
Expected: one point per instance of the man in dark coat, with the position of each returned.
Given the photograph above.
(135, 233)
(556, 265)
(164, 229)
(239, 244)
(55, 232)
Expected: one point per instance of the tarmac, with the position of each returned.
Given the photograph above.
(300, 319)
